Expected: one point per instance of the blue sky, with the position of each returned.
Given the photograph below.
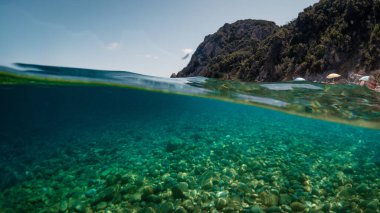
(142, 36)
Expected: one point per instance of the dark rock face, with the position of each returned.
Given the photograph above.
(230, 42)
(333, 35)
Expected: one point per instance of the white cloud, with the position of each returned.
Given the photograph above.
(113, 46)
(187, 50)
(149, 56)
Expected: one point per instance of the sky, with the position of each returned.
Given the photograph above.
(142, 36)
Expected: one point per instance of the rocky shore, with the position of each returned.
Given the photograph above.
(330, 36)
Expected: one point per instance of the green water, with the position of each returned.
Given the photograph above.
(70, 146)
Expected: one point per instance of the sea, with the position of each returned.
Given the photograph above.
(81, 140)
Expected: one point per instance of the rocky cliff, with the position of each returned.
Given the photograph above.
(340, 36)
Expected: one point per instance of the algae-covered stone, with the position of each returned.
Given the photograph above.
(183, 186)
(113, 179)
(166, 207)
(149, 196)
(256, 209)
(88, 210)
(297, 206)
(104, 173)
(147, 210)
(177, 193)
(78, 206)
(90, 193)
(374, 204)
(220, 203)
(136, 197)
(188, 205)
(269, 199)
(63, 205)
(106, 195)
(102, 205)
(173, 145)
(285, 199)
(223, 193)
(273, 209)
(362, 188)
(208, 178)
(180, 209)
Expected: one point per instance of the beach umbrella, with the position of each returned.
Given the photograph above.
(333, 75)
(299, 79)
(364, 78)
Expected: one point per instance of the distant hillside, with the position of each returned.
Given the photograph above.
(340, 36)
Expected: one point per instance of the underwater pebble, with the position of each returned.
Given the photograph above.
(256, 209)
(222, 194)
(362, 188)
(166, 207)
(180, 209)
(297, 206)
(220, 203)
(63, 205)
(373, 204)
(273, 209)
(102, 205)
(90, 193)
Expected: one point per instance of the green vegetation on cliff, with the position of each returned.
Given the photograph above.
(333, 35)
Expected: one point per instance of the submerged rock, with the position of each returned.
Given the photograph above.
(297, 206)
(362, 188)
(256, 209)
(63, 205)
(166, 207)
(220, 203)
(90, 193)
(178, 193)
(273, 209)
(173, 145)
(269, 199)
(101, 205)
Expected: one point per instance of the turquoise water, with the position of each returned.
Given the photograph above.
(98, 148)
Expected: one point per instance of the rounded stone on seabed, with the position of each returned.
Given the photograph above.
(269, 199)
(188, 204)
(180, 209)
(374, 204)
(297, 206)
(222, 193)
(273, 209)
(90, 193)
(256, 209)
(147, 210)
(77, 206)
(166, 207)
(207, 184)
(362, 188)
(102, 205)
(148, 190)
(88, 210)
(220, 203)
(63, 205)
(178, 192)
(182, 176)
(183, 186)
(285, 199)
(242, 187)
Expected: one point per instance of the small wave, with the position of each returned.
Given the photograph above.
(351, 104)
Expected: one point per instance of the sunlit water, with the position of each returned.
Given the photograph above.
(76, 140)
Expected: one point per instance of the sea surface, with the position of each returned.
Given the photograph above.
(79, 140)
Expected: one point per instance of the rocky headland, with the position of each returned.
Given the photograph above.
(332, 36)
